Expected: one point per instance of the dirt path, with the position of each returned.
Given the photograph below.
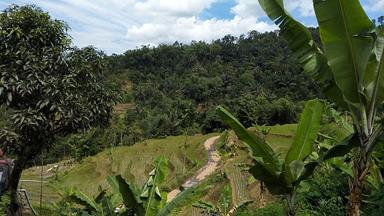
(202, 173)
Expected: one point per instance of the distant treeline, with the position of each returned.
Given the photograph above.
(177, 87)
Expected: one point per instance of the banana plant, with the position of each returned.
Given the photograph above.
(282, 177)
(223, 206)
(99, 205)
(348, 68)
(149, 202)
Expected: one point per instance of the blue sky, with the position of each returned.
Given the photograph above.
(118, 25)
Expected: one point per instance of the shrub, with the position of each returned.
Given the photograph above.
(324, 195)
(375, 203)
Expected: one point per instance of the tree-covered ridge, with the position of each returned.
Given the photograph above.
(176, 87)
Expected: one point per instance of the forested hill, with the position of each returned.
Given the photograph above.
(177, 87)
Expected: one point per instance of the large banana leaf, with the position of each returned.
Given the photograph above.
(306, 133)
(347, 169)
(108, 209)
(258, 148)
(273, 183)
(154, 200)
(341, 149)
(119, 185)
(344, 29)
(81, 198)
(379, 50)
(304, 48)
(184, 198)
(374, 79)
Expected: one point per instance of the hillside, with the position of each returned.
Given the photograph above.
(175, 88)
(185, 153)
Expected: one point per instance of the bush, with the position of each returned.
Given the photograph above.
(325, 193)
(271, 209)
(375, 204)
(262, 110)
(4, 202)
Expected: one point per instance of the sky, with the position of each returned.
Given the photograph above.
(116, 26)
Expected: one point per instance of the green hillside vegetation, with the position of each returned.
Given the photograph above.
(175, 88)
(299, 135)
(186, 154)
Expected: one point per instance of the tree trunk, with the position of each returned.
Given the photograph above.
(262, 191)
(360, 168)
(291, 210)
(19, 165)
(14, 205)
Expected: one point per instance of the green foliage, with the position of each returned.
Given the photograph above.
(306, 132)
(153, 199)
(348, 69)
(262, 110)
(51, 88)
(73, 198)
(177, 87)
(374, 203)
(283, 177)
(130, 200)
(148, 202)
(279, 178)
(322, 195)
(303, 47)
(345, 40)
(271, 209)
(4, 203)
(184, 198)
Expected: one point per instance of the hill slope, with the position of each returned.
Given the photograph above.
(186, 155)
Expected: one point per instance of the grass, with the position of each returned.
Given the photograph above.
(238, 182)
(280, 137)
(186, 155)
(288, 129)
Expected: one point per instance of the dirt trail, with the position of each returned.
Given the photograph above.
(202, 173)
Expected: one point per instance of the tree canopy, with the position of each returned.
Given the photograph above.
(177, 87)
(49, 88)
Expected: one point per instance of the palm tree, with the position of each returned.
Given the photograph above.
(348, 68)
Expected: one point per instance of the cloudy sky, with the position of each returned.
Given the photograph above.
(118, 25)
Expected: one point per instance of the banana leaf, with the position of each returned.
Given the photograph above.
(153, 199)
(344, 28)
(259, 149)
(300, 41)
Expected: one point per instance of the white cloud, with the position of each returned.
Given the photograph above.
(303, 7)
(185, 26)
(248, 8)
(176, 8)
(188, 29)
(119, 25)
(375, 5)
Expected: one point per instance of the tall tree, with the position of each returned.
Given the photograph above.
(49, 88)
(349, 69)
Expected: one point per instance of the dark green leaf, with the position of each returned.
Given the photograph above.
(258, 148)
(130, 199)
(343, 29)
